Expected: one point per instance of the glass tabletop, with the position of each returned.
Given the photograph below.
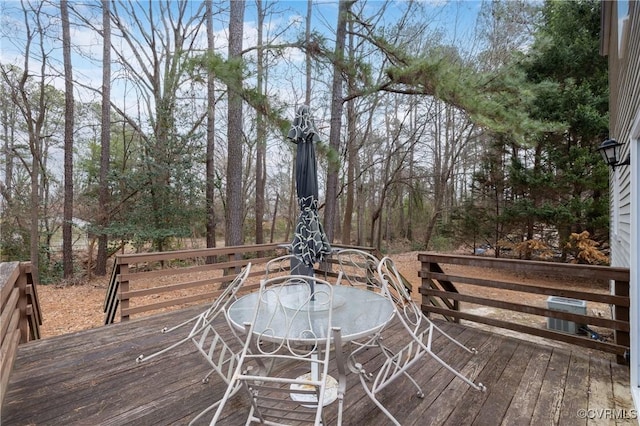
(357, 312)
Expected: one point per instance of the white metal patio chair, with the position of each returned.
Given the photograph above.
(415, 344)
(290, 331)
(358, 269)
(207, 339)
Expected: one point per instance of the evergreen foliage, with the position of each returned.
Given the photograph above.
(555, 184)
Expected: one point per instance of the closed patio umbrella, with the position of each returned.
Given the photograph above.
(310, 244)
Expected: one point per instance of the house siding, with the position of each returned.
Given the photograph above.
(624, 126)
(624, 104)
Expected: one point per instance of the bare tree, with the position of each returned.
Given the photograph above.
(67, 244)
(29, 93)
(453, 131)
(105, 140)
(392, 156)
(211, 139)
(337, 100)
(160, 39)
(8, 122)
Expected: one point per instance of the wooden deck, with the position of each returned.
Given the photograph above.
(91, 378)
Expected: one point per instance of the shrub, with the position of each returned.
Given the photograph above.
(584, 250)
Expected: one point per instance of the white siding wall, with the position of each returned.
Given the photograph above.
(624, 106)
(634, 293)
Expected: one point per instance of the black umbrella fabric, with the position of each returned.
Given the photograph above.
(310, 243)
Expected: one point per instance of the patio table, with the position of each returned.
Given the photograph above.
(357, 312)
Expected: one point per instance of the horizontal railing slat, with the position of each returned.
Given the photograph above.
(7, 312)
(531, 266)
(190, 269)
(532, 310)
(547, 291)
(9, 273)
(192, 253)
(207, 296)
(124, 291)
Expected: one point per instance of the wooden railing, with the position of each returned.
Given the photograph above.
(145, 282)
(20, 317)
(441, 295)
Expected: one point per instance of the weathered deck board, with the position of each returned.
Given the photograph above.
(525, 397)
(91, 377)
(576, 393)
(497, 402)
(552, 391)
(600, 390)
(443, 402)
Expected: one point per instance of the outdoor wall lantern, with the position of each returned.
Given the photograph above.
(610, 149)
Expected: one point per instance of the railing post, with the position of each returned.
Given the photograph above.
(447, 286)
(621, 288)
(123, 291)
(23, 323)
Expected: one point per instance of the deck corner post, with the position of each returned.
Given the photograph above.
(23, 322)
(622, 338)
(124, 293)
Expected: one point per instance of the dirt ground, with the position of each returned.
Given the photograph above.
(67, 309)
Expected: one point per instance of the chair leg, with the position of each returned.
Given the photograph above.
(427, 347)
(214, 405)
(340, 408)
(420, 394)
(203, 412)
(372, 396)
(392, 359)
(433, 327)
(142, 357)
(479, 386)
(205, 379)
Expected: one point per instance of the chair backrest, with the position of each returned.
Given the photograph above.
(408, 310)
(293, 314)
(287, 264)
(228, 295)
(358, 268)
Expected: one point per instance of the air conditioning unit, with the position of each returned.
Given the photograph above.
(564, 304)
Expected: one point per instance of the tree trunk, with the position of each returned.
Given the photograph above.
(336, 118)
(351, 153)
(67, 249)
(233, 231)
(261, 142)
(34, 234)
(307, 36)
(33, 114)
(211, 140)
(273, 220)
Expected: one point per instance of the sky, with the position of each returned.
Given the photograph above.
(456, 19)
